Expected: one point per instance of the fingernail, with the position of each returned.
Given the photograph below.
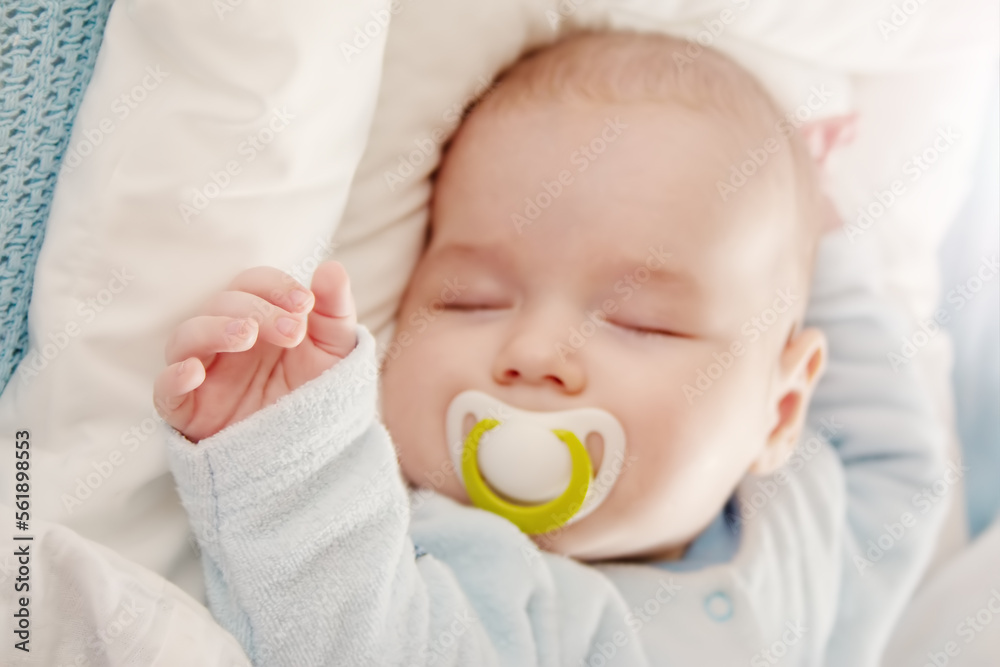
(298, 297)
(287, 326)
(181, 366)
(237, 328)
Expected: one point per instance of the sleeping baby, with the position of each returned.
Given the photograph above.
(594, 444)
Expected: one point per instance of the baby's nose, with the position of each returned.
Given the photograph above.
(533, 356)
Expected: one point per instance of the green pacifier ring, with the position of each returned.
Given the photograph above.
(531, 519)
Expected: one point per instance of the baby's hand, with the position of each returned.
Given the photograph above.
(252, 344)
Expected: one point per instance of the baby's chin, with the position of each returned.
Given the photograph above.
(585, 543)
(583, 549)
(598, 538)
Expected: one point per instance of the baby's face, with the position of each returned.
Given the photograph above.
(632, 280)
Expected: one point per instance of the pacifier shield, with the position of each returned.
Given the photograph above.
(531, 467)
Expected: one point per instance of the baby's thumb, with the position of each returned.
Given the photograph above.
(333, 319)
(172, 391)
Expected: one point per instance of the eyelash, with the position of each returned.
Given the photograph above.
(470, 307)
(648, 333)
(634, 331)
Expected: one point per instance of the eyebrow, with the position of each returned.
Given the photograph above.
(640, 269)
(471, 252)
(616, 270)
(462, 249)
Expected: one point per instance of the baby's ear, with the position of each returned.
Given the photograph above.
(801, 365)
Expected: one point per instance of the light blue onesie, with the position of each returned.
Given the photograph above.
(315, 553)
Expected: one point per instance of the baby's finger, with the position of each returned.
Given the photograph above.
(333, 321)
(207, 335)
(277, 325)
(172, 390)
(275, 286)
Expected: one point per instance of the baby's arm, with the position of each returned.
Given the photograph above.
(304, 523)
(882, 425)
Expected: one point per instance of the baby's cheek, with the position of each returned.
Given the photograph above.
(672, 453)
(428, 467)
(433, 361)
(414, 414)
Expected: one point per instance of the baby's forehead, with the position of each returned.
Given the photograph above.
(763, 187)
(674, 159)
(608, 71)
(653, 185)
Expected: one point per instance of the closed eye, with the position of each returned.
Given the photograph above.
(469, 307)
(648, 332)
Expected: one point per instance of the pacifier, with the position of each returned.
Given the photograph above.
(532, 467)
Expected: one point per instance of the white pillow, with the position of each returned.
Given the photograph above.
(214, 136)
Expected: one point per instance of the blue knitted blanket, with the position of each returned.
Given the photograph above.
(47, 54)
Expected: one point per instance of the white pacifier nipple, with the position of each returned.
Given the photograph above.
(532, 467)
(525, 461)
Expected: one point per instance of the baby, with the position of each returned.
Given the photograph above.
(604, 346)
